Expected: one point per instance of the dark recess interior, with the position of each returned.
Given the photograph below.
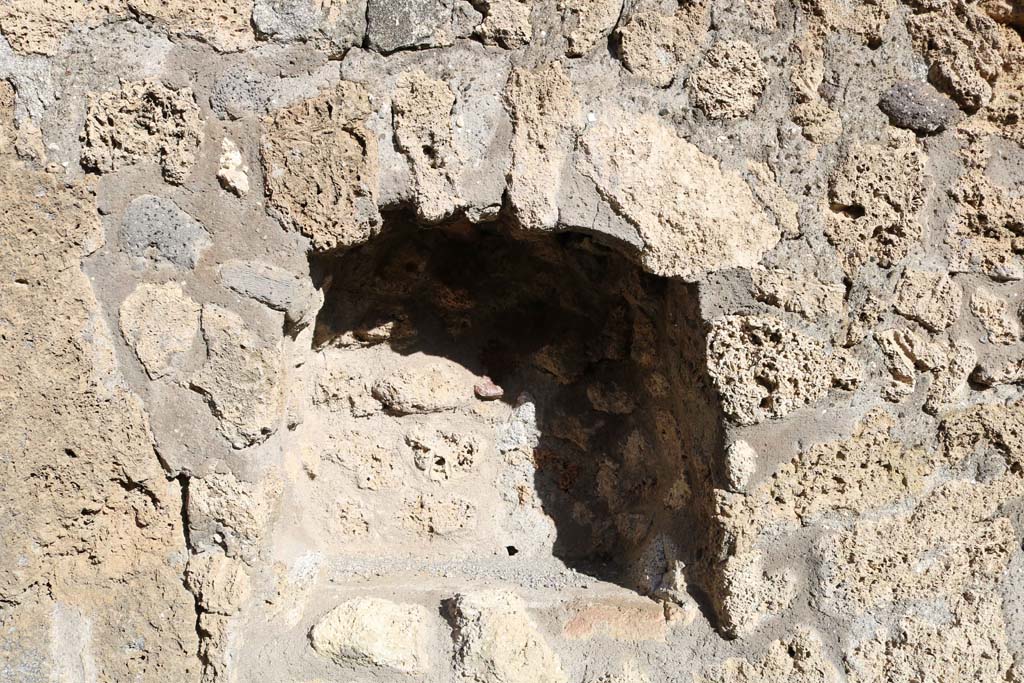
(610, 355)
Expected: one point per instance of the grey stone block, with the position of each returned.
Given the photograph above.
(402, 24)
(277, 288)
(156, 229)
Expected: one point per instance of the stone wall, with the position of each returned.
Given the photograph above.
(511, 341)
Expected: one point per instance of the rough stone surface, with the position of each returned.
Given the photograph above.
(603, 341)
(747, 594)
(160, 322)
(795, 293)
(763, 369)
(157, 229)
(995, 316)
(874, 197)
(240, 378)
(546, 115)
(728, 81)
(425, 385)
(228, 515)
(225, 24)
(983, 234)
(376, 634)
(333, 27)
(740, 465)
(40, 27)
(930, 298)
(325, 186)
(962, 47)
(233, 173)
(497, 641)
(403, 24)
(653, 45)
(799, 658)
(276, 287)
(219, 583)
(505, 23)
(691, 216)
(144, 121)
(918, 106)
(422, 110)
(241, 90)
(588, 22)
(91, 577)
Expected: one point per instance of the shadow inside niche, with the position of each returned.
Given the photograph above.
(610, 356)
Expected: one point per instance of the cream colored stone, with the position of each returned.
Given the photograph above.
(993, 432)
(496, 641)
(425, 385)
(324, 187)
(373, 462)
(796, 293)
(820, 123)
(952, 542)
(92, 529)
(345, 518)
(233, 173)
(588, 22)
(740, 464)
(544, 118)
(443, 453)
(908, 354)
(1005, 112)
(220, 584)
(692, 216)
(797, 658)
(143, 121)
(764, 183)
(435, 515)
(241, 378)
(506, 23)
(905, 352)
(852, 478)
(160, 322)
(961, 45)
(227, 513)
(930, 298)
(37, 26)
(377, 634)
(875, 196)
(746, 594)
(422, 108)
(764, 369)
(983, 234)
(949, 380)
(653, 46)
(970, 645)
(995, 316)
(728, 82)
(869, 471)
(225, 24)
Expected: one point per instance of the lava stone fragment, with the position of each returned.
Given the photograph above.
(393, 25)
(918, 106)
(155, 228)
